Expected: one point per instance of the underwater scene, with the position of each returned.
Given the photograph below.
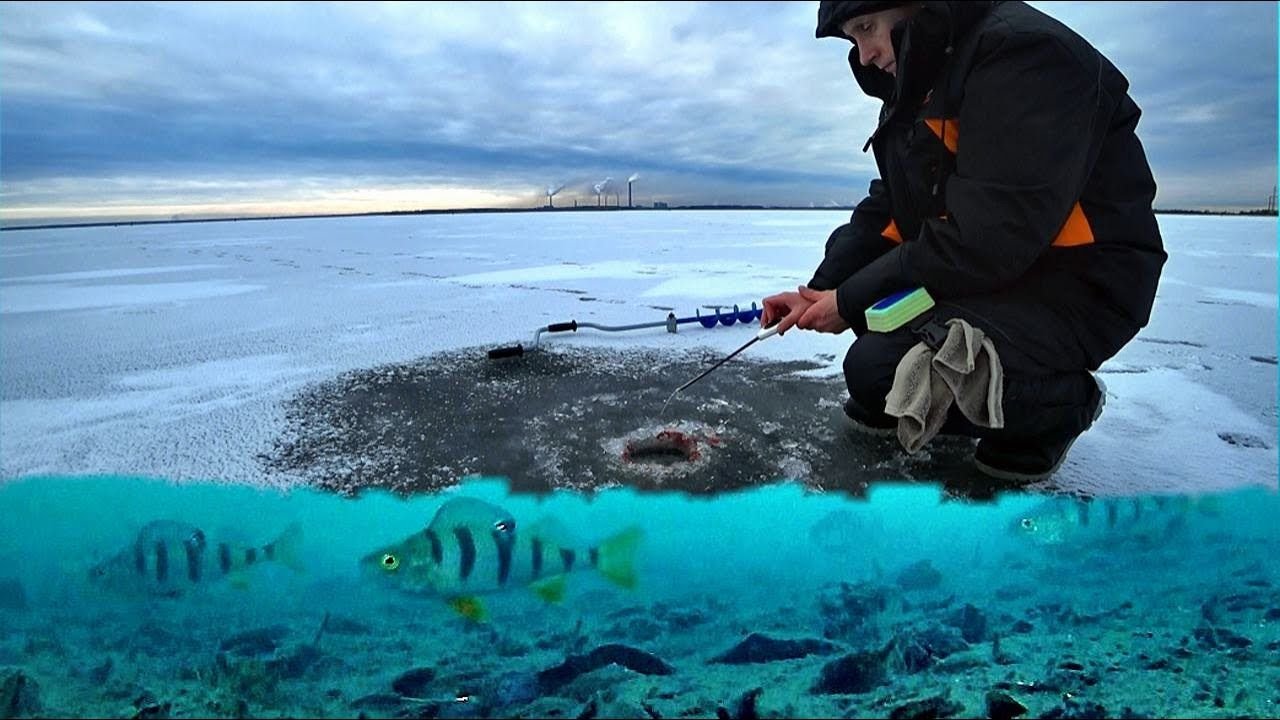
(140, 597)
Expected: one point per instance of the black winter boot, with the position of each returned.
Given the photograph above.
(1032, 459)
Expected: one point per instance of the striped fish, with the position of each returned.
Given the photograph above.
(1063, 520)
(171, 558)
(472, 547)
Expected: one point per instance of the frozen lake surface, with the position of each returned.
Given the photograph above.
(188, 351)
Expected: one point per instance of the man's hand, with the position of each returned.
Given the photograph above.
(822, 314)
(785, 309)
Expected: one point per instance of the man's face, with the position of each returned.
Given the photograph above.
(870, 33)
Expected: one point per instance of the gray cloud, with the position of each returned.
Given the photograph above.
(710, 102)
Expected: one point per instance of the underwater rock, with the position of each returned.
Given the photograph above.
(1217, 638)
(604, 706)
(513, 688)
(628, 657)
(938, 706)
(1257, 598)
(998, 655)
(959, 663)
(149, 708)
(255, 643)
(509, 647)
(854, 674)
(543, 707)
(637, 630)
(153, 638)
(414, 682)
(345, 625)
(929, 607)
(1062, 615)
(295, 663)
(1022, 627)
(1069, 677)
(99, 674)
(1002, 706)
(744, 708)
(591, 710)
(920, 648)
(971, 622)
(919, 576)
(757, 648)
(678, 618)
(847, 610)
(12, 596)
(19, 694)
(1073, 709)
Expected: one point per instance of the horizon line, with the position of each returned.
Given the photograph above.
(1256, 212)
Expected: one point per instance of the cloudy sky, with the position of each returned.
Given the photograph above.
(162, 110)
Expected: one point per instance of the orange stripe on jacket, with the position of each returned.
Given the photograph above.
(1076, 231)
(891, 232)
(952, 140)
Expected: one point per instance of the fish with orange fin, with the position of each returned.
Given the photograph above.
(472, 547)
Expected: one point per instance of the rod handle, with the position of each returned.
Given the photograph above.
(571, 326)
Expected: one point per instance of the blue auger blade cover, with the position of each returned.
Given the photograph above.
(726, 318)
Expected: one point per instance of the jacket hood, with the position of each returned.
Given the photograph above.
(920, 45)
(831, 15)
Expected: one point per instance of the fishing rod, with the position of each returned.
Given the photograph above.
(672, 323)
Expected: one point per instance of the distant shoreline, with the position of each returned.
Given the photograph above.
(584, 208)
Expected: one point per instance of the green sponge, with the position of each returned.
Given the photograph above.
(898, 309)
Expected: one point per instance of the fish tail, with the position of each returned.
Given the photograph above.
(615, 557)
(287, 548)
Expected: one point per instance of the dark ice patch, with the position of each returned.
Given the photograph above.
(1159, 341)
(1243, 440)
(557, 418)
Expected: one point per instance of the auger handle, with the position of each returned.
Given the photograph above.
(513, 351)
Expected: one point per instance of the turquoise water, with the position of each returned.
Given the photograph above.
(907, 602)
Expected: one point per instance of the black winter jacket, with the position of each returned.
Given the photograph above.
(1009, 166)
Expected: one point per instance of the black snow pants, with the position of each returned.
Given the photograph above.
(1047, 396)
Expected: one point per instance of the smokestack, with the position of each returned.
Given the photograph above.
(630, 180)
(600, 189)
(552, 191)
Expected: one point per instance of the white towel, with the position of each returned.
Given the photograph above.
(965, 371)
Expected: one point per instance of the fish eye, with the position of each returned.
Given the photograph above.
(504, 526)
(390, 562)
(1028, 524)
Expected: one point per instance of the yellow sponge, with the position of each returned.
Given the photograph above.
(898, 309)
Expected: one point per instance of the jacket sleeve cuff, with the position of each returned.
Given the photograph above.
(885, 275)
